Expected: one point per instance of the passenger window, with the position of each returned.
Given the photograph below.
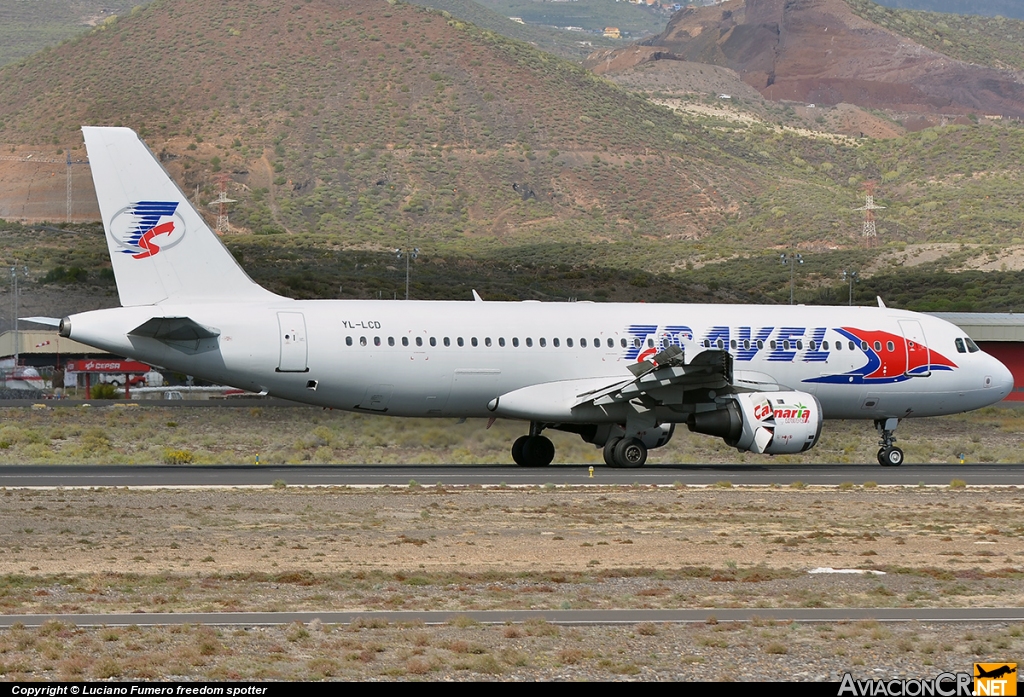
(889, 346)
(824, 345)
(971, 346)
(433, 341)
(650, 343)
(543, 342)
(447, 341)
(799, 344)
(348, 341)
(529, 342)
(568, 342)
(501, 341)
(376, 341)
(515, 341)
(960, 346)
(419, 341)
(362, 341)
(554, 342)
(853, 346)
(405, 341)
(732, 344)
(785, 345)
(863, 345)
(811, 344)
(391, 341)
(597, 343)
(746, 344)
(487, 342)
(460, 342)
(583, 343)
(878, 345)
(760, 344)
(636, 343)
(611, 344)
(720, 344)
(473, 341)
(773, 344)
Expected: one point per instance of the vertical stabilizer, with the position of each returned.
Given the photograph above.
(160, 246)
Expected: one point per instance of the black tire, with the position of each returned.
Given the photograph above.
(894, 457)
(518, 448)
(881, 458)
(538, 451)
(609, 452)
(631, 453)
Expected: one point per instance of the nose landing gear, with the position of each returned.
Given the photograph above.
(888, 454)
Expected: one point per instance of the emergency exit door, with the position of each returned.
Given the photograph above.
(293, 342)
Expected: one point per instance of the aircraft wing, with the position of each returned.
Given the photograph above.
(665, 377)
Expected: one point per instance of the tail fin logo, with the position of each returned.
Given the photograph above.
(145, 228)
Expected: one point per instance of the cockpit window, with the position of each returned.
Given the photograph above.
(960, 346)
(971, 346)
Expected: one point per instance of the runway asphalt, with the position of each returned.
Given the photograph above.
(496, 475)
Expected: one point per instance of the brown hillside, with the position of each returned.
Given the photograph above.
(373, 120)
(819, 51)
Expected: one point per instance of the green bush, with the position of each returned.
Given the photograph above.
(104, 390)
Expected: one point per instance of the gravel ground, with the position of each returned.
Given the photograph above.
(106, 550)
(531, 651)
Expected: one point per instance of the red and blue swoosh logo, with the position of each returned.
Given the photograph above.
(907, 359)
(141, 239)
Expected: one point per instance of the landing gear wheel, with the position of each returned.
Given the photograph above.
(518, 447)
(631, 453)
(538, 451)
(890, 457)
(888, 454)
(609, 452)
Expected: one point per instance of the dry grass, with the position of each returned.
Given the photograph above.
(156, 435)
(393, 652)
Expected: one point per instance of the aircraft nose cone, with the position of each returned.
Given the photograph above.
(1002, 379)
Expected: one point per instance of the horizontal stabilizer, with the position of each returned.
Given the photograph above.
(48, 321)
(174, 329)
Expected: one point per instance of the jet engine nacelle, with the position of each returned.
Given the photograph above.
(764, 422)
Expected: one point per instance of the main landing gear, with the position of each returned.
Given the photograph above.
(888, 454)
(625, 452)
(533, 450)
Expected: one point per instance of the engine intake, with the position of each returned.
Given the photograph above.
(764, 422)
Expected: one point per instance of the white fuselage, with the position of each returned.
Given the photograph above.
(416, 358)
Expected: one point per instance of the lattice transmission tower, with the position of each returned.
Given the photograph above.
(221, 202)
(869, 233)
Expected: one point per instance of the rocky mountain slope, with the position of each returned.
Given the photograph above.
(820, 51)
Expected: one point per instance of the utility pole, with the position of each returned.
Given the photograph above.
(851, 278)
(792, 260)
(14, 316)
(408, 257)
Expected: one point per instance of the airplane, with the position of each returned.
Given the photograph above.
(621, 376)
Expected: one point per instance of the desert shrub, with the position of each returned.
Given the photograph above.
(178, 457)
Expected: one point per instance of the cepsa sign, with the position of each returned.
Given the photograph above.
(112, 365)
